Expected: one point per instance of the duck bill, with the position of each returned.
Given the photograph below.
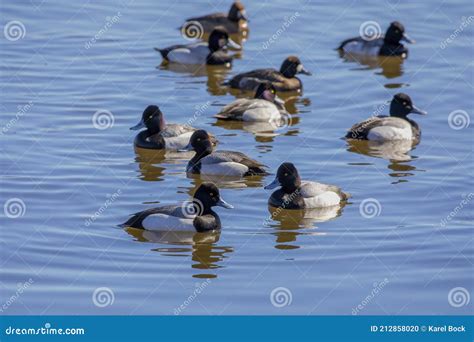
(272, 185)
(243, 16)
(233, 45)
(224, 204)
(416, 110)
(407, 39)
(186, 148)
(302, 70)
(138, 126)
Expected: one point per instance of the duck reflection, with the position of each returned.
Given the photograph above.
(396, 152)
(149, 161)
(205, 252)
(265, 132)
(215, 74)
(391, 66)
(288, 224)
(227, 182)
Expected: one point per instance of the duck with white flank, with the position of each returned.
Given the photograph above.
(210, 53)
(266, 106)
(196, 215)
(388, 45)
(219, 163)
(297, 194)
(397, 126)
(160, 135)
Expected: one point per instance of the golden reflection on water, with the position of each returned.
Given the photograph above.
(203, 248)
(396, 152)
(390, 66)
(289, 224)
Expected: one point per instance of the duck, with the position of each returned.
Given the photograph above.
(210, 53)
(283, 80)
(297, 194)
(223, 163)
(234, 21)
(160, 135)
(195, 215)
(397, 126)
(266, 106)
(388, 45)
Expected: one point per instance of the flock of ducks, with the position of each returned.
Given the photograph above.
(265, 106)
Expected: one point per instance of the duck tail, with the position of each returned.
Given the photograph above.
(163, 52)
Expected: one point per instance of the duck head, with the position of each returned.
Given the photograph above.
(266, 91)
(402, 105)
(152, 118)
(237, 12)
(207, 196)
(219, 39)
(200, 142)
(287, 177)
(396, 33)
(292, 66)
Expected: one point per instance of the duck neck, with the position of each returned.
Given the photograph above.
(201, 153)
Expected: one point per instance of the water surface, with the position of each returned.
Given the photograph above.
(65, 170)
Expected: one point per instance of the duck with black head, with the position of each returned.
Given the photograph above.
(297, 194)
(388, 45)
(235, 21)
(283, 80)
(159, 135)
(219, 163)
(196, 215)
(397, 126)
(266, 106)
(210, 53)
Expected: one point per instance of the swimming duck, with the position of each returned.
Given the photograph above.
(210, 53)
(196, 215)
(394, 127)
(266, 106)
(233, 22)
(224, 163)
(283, 80)
(297, 194)
(388, 45)
(159, 135)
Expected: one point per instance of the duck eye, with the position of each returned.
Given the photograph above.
(198, 139)
(404, 103)
(211, 194)
(286, 174)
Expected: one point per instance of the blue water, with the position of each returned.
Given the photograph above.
(63, 169)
